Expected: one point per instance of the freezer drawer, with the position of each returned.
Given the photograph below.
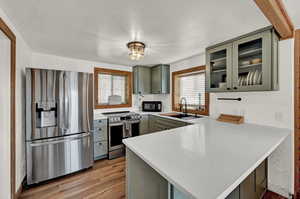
(51, 158)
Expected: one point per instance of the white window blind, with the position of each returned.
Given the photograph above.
(192, 87)
(109, 85)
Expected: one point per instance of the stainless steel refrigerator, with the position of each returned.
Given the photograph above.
(59, 123)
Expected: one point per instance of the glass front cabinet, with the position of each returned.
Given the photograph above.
(248, 63)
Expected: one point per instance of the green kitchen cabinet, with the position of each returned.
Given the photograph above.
(142, 80)
(218, 72)
(261, 179)
(247, 187)
(247, 63)
(235, 194)
(100, 139)
(144, 125)
(151, 80)
(174, 193)
(160, 79)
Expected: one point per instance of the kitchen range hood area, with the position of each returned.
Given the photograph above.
(116, 100)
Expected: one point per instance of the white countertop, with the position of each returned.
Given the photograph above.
(99, 116)
(209, 159)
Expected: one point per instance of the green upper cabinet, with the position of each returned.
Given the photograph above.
(142, 80)
(160, 79)
(218, 73)
(151, 80)
(248, 63)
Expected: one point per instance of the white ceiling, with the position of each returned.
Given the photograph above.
(98, 30)
(293, 9)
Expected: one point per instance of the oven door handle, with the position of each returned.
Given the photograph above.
(134, 122)
(116, 124)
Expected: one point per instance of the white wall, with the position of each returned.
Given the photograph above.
(23, 59)
(266, 108)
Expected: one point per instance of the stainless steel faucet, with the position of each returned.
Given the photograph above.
(185, 105)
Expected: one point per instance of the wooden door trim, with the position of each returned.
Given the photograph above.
(7, 31)
(297, 114)
(276, 13)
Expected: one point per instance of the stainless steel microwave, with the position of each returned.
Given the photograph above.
(152, 106)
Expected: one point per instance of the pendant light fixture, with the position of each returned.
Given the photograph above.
(136, 50)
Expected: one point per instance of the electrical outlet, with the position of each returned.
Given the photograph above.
(242, 112)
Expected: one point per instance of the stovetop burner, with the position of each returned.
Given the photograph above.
(115, 117)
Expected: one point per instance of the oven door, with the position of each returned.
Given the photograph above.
(115, 136)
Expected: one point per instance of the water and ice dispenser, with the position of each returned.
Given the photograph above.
(46, 114)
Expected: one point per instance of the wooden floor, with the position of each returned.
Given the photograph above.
(106, 180)
(272, 195)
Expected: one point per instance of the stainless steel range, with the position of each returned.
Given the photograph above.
(121, 125)
(59, 123)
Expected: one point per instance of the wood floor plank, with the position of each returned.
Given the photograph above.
(272, 195)
(105, 180)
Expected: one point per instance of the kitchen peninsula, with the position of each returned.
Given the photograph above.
(206, 160)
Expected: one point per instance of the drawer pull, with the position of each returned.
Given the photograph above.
(100, 144)
(99, 121)
(100, 129)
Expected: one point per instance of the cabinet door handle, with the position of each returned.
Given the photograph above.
(228, 88)
(100, 129)
(235, 88)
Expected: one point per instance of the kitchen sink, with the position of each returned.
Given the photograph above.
(183, 116)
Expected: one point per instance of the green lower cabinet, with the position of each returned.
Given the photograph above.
(254, 186)
(247, 187)
(235, 194)
(176, 194)
(261, 189)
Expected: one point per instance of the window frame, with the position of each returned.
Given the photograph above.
(174, 90)
(128, 74)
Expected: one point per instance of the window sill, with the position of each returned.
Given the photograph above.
(113, 106)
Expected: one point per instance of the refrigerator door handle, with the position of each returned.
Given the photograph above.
(67, 102)
(87, 102)
(61, 101)
(58, 140)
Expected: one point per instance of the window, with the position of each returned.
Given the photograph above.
(190, 84)
(112, 88)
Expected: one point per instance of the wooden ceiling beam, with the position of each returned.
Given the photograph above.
(276, 13)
